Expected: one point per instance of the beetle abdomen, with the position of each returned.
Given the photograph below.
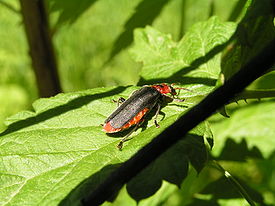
(132, 110)
(109, 129)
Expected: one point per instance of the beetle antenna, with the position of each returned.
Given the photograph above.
(181, 88)
(126, 138)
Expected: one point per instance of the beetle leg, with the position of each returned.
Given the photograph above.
(156, 116)
(178, 100)
(126, 138)
(119, 101)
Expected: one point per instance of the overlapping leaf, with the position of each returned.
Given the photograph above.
(250, 130)
(45, 154)
(59, 153)
(194, 61)
(254, 32)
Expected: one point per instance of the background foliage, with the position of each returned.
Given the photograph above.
(46, 153)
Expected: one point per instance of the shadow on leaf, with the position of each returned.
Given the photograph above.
(50, 113)
(171, 166)
(248, 43)
(233, 151)
(81, 191)
(145, 14)
(221, 189)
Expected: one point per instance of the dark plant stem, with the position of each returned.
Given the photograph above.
(41, 47)
(215, 100)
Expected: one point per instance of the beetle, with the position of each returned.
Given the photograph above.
(132, 111)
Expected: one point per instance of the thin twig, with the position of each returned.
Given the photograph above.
(42, 53)
(254, 94)
(234, 182)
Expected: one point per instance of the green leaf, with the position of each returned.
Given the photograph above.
(145, 13)
(224, 189)
(194, 61)
(171, 166)
(239, 8)
(249, 130)
(254, 32)
(162, 194)
(39, 153)
(13, 99)
(227, 202)
(48, 155)
(264, 82)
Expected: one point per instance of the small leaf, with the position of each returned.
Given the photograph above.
(144, 15)
(254, 32)
(254, 124)
(194, 61)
